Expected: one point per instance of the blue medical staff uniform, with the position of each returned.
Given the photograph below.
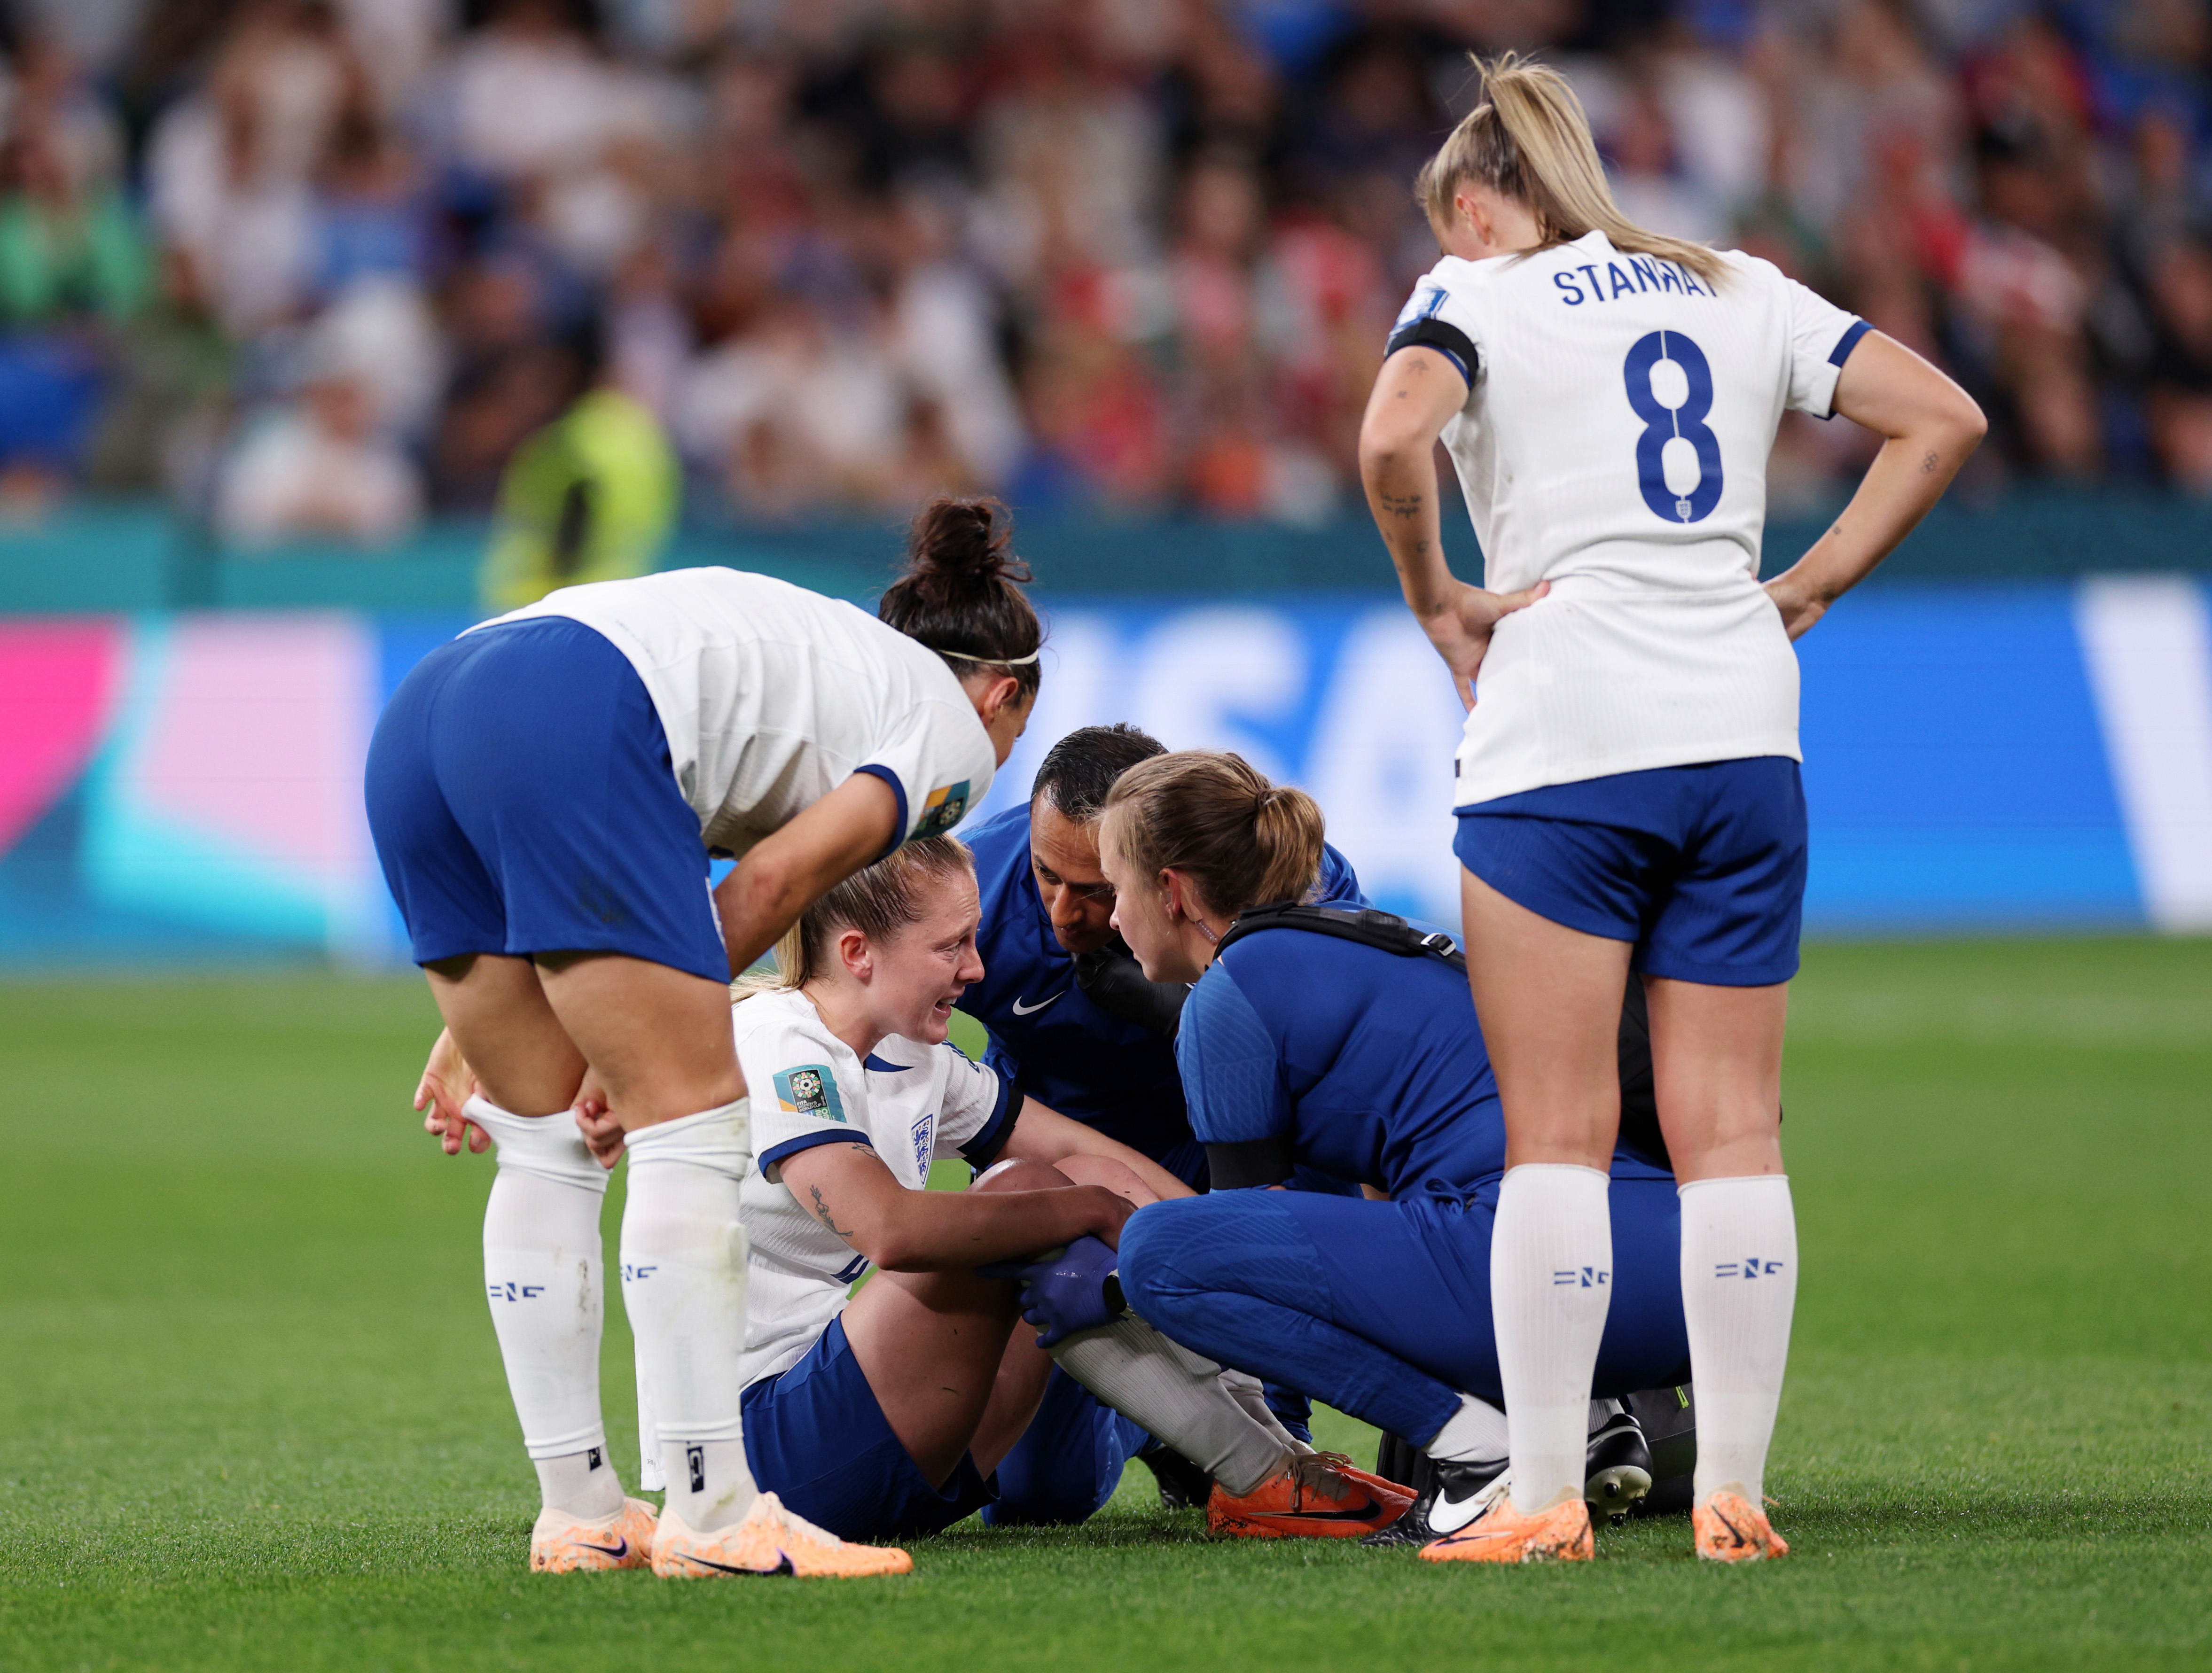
(1114, 1076)
(1372, 1067)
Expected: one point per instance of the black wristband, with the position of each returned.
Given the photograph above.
(1257, 1161)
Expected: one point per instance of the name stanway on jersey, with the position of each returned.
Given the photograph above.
(911, 1104)
(772, 696)
(1619, 416)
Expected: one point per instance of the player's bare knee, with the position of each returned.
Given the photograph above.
(1015, 1174)
(1115, 1176)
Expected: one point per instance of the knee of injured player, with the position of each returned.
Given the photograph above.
(1016, 1174)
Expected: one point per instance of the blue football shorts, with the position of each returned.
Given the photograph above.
(817, 1438)
(1068, 1461)
(523, 801)
(1701, 868)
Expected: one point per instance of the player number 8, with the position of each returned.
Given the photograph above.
(1681, 425)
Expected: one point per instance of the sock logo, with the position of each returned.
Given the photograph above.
(696, 1457)
(1590, 1277)
(635, 1273)
(1750, 1269)
(512, 1292)
(593, 1460)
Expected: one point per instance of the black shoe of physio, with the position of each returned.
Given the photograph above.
(1454, 1495)
(1183, 1485)
(1617, 1473)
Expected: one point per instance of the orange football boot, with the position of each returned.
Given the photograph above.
(1502, 1534)
(1730, 1528)
(563, 1544)
(769, 1540)
(1317, 1495)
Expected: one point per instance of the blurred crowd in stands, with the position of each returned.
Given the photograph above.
(318, 268)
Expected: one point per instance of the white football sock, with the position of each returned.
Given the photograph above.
(684, 1284)
(1476, 1434)
(1738, 1290)
(582, 1484)
(1247, 1392)
(541, 1249)
(1175, 1395)
(1551, 1281)
(650, 1477)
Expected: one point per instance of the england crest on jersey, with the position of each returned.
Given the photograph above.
(924, 1131)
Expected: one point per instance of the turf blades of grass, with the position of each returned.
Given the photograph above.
(251, 1416)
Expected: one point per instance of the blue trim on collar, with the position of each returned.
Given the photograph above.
(871, 1061)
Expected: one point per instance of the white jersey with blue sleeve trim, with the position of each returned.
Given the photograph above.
(1613, 442)
(909, 1103)
(772, 696)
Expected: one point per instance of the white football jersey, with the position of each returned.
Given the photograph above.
(1619, 416)
(909, 1103)
(772, 696)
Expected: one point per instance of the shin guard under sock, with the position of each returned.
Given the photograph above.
(1551, 1281)
(542, 1277)
(1739, 1291)
(683, 1285)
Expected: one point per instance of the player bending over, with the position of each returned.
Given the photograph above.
(545, 792)
(883, 1414)
(1299, 1047)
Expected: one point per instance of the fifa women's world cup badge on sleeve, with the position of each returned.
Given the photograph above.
(810, 1089)
(942, 811)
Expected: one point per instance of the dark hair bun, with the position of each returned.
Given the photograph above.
(957, 547)
(960, 592)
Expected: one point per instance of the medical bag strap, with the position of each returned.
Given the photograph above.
(1367, 927)
(1639, 1104)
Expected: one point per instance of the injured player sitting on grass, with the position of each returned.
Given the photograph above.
(881, 1413)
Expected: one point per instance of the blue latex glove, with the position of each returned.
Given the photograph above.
(1071, 1289)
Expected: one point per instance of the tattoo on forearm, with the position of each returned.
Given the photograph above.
(1401, 505)
(821, 1214)
(1928, 466)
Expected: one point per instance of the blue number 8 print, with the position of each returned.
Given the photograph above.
(1664, 424)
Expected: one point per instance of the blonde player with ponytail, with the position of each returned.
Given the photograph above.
(1628, 793)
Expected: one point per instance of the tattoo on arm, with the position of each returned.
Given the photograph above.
(821, 1214)
(1402, 505)
(1928, 466)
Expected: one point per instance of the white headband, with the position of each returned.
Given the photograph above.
(994, 662)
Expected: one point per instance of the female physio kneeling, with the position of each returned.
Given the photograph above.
(1299, 1048)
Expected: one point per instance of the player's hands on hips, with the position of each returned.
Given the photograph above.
(1800, 608)
(1461, 629)
(447, 1085)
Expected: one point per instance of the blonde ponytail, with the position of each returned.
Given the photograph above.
(1530, 141)
(1242, 842)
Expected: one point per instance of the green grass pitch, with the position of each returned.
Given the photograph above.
(251, 1415)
